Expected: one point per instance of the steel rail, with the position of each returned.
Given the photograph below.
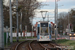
(19, 44)
(30, 45)
(47, 47)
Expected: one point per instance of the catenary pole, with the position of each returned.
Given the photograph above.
(55, 30)
(57, 20)
(1, 26)
(10, 23)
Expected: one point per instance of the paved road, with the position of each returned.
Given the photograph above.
(64, 36)
(67, 37)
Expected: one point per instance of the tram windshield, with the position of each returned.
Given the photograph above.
(44, 29)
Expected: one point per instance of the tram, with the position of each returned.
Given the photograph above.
(44, 31)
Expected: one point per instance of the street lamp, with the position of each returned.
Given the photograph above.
(56, 17)
(55, 30)
(42, 14)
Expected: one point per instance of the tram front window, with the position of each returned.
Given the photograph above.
(44, 30)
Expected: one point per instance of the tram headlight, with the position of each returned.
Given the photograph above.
(48, 36)
(40, 37)
(70, 34)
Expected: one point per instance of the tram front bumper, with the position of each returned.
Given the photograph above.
(44, 39)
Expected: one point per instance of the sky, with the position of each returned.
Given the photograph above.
(50, 7)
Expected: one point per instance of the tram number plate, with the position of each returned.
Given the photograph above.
(43, 37)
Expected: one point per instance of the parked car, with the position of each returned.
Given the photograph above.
(72, 34)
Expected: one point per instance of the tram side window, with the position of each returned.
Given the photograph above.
(38, 30)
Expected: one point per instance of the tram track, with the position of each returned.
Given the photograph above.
(28, 45)
(22, 46)
(49, 46)
(34, 45)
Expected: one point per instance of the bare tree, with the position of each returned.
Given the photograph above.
(27, 8)
(67, 18)
(72, 18)
(62, 21)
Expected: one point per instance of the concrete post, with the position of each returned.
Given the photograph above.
(1, 26)
(10, 23)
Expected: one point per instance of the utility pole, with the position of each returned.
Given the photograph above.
(1, 26)
(17, 19)
(55, 30)
(10, 23)
(57, 20)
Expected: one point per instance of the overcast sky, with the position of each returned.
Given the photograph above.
(67, 6)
